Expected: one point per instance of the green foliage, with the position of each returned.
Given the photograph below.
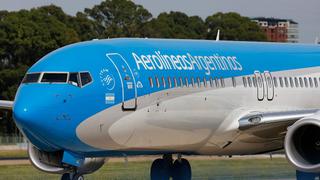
(28, 35)
(119, 18)
(86, 28)
(233, 26)
(9, 81)
(176, 25)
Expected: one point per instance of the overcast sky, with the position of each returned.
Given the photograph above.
(305, 12)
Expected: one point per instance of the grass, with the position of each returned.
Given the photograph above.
(215, 169)
(13, 154)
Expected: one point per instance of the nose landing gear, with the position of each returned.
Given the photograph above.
(72, 176)
(164, 168)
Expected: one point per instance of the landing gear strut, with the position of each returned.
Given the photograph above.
(164, 168)
(72, 176)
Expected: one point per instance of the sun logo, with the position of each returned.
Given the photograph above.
(107, 79)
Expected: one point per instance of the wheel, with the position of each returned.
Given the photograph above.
(160, 170)
(78, 177)
(181, 170)
(68, 176)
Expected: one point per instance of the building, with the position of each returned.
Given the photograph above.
(279, 30)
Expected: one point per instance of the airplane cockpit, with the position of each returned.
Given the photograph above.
(78, 79)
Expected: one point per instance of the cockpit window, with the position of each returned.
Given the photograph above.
(54, 77)
(85, 78)
(31, 78)
(74, 79)
(78, 79)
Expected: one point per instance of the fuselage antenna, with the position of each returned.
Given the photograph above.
(218, 35)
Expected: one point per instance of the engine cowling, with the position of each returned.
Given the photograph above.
(302, 144)
(51, 162)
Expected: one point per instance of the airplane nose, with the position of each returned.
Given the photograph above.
(35, 112)
(24, 113)
(29, 118)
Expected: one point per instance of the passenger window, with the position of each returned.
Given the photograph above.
(254, 81)
(211, 82)
(222, 82)
(315, 82)
(54, 77)
(249, 82)
(187, 82)
(296, 82)
(74, 79)
(163, 82)
(281, 81)
(205, 82)
(169, 82)
(244, 81)
(269, 81)
(301, 82)
(198, 82)
(217, 82)
(275, 82)
(291, 82)
(31, 78)
(286, 81)
(181, 82)
(150, 82)
(310, 82)
(85, 78)
(158, 83)
(193, 83)
(234, 82)
(305, 82)
(175, 82)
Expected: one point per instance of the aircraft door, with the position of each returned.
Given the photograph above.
(269, 85)
(128, 82)
(260, 85)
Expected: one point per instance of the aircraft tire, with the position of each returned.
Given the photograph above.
(68, 176)
(181, 170)
(78, 177)
(160, 170)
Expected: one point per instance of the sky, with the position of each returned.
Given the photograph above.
(305, 12)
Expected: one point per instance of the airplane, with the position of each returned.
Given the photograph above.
(86, 102)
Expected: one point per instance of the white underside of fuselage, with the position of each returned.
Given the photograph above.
(195, 120)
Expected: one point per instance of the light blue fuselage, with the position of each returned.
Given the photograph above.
(49, 114)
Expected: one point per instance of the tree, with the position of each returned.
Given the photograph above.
(85, 28)
(233, 26)
(9, 81)
(26, 36)
(119, 18)
(176, 25)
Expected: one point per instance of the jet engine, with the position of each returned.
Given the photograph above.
(302, 144)
(51, 162)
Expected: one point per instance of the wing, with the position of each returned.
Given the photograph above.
(6, 105)
(269, 126)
